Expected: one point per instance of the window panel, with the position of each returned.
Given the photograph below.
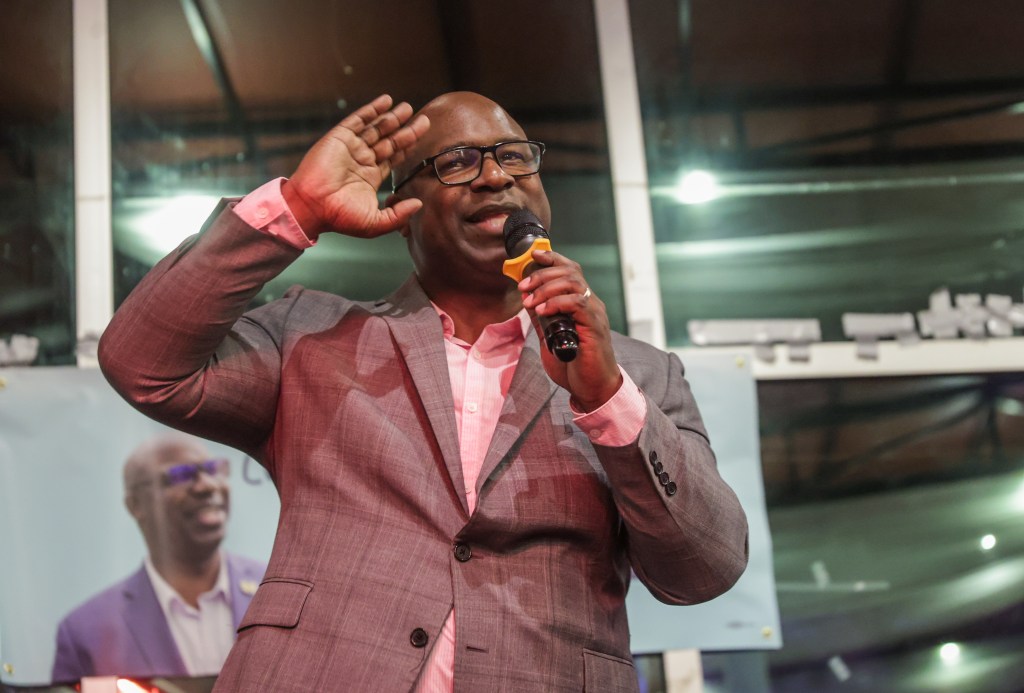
(36, 177)
(895, 506)
(189, 127)
(865, 155)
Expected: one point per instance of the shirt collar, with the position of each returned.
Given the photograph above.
(495, 334)
(168, 596)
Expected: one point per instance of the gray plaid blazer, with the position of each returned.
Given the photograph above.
(348, 405)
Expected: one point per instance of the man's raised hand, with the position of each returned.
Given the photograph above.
(335, 185)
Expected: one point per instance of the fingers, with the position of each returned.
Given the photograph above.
(386, 129)
(556, 288)
(395, 144)
(385, 124)
(394, 216)
(361, 117)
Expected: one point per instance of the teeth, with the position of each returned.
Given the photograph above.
(489, 214)
(211, 515)
(494, 223)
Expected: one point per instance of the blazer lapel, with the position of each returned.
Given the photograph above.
(417, 330)
(145, 619)
(242, 583)
(528, 392)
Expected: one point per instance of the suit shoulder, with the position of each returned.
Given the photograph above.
(243, 565)
(307, 303)
(99, 606)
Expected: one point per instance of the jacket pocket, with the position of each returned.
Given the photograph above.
(604, 673)
(278, 602)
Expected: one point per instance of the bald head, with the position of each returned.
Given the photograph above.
(449, 116)
(145, 462)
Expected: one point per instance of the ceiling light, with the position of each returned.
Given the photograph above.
(950, 653)
(988, 542)
(697, 187)
(168, 221)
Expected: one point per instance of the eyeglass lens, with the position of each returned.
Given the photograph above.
(188, 473)
(463, 164)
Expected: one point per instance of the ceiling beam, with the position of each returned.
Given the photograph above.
(199, 25)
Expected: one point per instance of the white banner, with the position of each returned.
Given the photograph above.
(66, 534)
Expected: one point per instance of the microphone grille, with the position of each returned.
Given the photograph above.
(520, 224)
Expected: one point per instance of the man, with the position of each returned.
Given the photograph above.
(460, 510)
(177, 615)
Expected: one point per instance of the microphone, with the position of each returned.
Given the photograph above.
(523, 234)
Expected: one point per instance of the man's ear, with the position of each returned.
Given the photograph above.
(134, 505)
(393, 199)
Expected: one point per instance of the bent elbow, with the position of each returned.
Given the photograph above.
(702, 578)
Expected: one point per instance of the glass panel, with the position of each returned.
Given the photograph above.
(896, 508)
(866, 154)
(215, 104)
(36, 177)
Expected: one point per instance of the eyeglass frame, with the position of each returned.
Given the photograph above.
(218, 467)
(492, 149)
(215, 467)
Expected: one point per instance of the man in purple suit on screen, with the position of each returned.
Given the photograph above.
(177, 615)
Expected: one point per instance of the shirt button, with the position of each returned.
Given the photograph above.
(595, 433)
(476, 353)
(418, 638)
(262, 212)
(463, 553)
(472, 407)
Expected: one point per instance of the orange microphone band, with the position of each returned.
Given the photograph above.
(514, 267)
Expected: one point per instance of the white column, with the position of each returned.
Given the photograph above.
(94, 270)
(629, 173)
(635, 227)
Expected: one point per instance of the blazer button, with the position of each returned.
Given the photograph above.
(670, 488)
(664, 478)
(463, 553)
(418, 638)
(653, 457)
(658, 467)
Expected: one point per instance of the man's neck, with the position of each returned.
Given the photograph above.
(471, 312)
(189, 578)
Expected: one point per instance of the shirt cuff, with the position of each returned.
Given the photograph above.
(618, 421)
(265, 210)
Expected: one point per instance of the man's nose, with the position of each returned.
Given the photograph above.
(492, 175)
(206, 482)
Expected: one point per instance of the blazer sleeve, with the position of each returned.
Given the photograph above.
(179, 348)
(685, 529)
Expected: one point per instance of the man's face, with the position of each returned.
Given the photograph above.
(181, 508)
(457, 237)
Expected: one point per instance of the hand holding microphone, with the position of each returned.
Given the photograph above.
(583, 360)
(524, 234)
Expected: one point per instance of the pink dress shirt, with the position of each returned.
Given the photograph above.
(480, 375)
(204, 636)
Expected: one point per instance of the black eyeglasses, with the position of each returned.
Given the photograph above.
(181, 474)
(461, 165)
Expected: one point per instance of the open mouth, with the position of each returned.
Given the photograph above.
(211, 515)
(491, 218)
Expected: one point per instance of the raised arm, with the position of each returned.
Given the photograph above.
(179, 348)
